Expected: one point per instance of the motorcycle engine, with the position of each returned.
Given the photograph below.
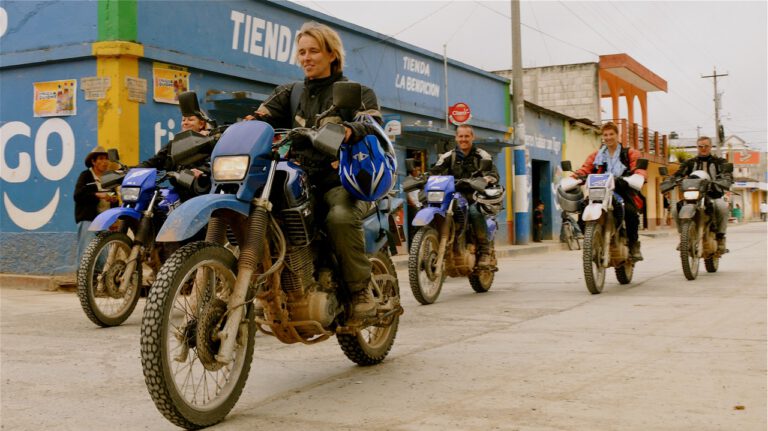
(463, 259)
(308, 299)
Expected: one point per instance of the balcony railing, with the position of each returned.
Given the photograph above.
(651, 144)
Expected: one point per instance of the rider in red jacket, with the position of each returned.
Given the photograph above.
(621, 162)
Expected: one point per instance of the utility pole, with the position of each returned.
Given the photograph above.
(445, 71)
(522, 216)
(714, 75)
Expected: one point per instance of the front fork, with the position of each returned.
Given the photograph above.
(607, 235)
(144, 235)
(445, 234)
(246, 264)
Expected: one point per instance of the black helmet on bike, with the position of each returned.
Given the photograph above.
(491, 201)
(570, 200)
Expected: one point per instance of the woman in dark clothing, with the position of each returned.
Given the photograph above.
(90, 198)
(320, 54)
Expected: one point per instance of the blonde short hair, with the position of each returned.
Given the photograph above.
(328, 40)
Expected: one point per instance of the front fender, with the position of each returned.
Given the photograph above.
(687, 211)
(186, 220)
(104, 220)
(425, 215)
(592, 212)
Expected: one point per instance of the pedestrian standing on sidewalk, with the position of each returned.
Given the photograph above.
(763, 211)
(538, 221)
(90, 198)
(737, 213)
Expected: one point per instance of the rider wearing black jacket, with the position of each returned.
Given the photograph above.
(721, 182)
(321, 56)
(464, 162)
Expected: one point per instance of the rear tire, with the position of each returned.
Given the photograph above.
(370, 345)
(103, 302)
(570, 237)
(424, 283)
(481, 280)
(689, 247)
(624, 272)
(186, 385)
(594, 273)
(712, 263)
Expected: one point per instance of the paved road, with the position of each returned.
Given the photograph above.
(537, 352)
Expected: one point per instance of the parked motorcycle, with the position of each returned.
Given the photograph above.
(109, 278)
(202, 313)
(697, 221)
(605, 238)
(444, 244)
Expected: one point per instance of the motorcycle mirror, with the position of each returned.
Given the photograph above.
(566, 165)
(485, 165)
(663, 171)
(728, 168)
(189, 106)
(410, 165)
(347, 95)
(641, 164)
(113, 155)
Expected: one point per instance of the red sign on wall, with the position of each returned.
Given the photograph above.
(459, 113)
(746, 157)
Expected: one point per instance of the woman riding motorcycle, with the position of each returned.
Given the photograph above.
(321, 56)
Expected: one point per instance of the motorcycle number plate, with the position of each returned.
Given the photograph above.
(598, 180)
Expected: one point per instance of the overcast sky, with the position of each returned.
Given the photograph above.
(679, 41)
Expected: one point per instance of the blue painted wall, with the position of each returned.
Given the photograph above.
(51, 40)
(544, 140)
(40, 161)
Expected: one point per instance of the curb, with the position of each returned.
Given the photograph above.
(50, 283)
(401, 261)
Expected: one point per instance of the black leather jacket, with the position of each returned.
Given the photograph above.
(455, 163)
(713, 165)
(317, 97)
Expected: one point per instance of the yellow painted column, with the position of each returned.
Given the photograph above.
(118, 117)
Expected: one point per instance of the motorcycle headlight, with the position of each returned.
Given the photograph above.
(130, 194)
(435, 197)
(230, 168)
(597, 194)
(691, 195)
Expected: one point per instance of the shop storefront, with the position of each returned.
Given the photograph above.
(123, 63)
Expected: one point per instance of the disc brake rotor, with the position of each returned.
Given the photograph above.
(208, 327)
(112, 279)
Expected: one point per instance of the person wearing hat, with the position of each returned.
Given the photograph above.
(90, 198)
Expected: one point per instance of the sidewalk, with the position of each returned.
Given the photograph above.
(67, 282)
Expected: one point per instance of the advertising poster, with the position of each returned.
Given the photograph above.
(168, 82)
(55, 98)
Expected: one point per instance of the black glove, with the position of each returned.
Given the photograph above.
(302, 134)
(359, 131)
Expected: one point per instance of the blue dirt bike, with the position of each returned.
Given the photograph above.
(204, 309)
(109, 278)
(444, 243)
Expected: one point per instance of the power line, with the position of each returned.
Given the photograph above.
(544, 41)
(466, 20)
(539, 31)
(431, 14)
(588, 25)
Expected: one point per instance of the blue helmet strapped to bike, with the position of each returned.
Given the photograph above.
(368, 167)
